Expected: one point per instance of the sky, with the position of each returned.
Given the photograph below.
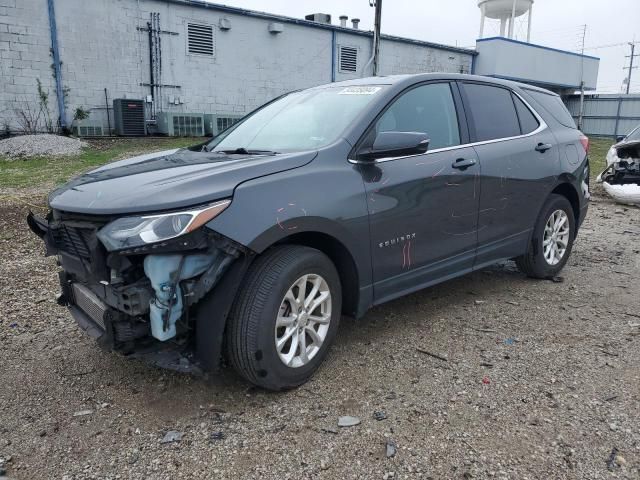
(556, 23)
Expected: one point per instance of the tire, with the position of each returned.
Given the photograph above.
(252, 334)
(534, 263)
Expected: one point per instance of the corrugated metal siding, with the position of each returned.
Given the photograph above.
(625, 126)
(630, 108)
(607, 115)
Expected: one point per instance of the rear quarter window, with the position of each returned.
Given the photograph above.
(528, 122)
(554, 106)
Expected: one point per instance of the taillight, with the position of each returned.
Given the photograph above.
(584, 140)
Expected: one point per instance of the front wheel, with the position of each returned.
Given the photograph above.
(285, 317)
(552, 239)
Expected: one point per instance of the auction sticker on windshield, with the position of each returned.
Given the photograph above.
(359, 90)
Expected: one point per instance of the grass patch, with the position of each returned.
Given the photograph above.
(46, 172)
(598, 148)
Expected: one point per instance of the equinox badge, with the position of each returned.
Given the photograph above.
(397, 240)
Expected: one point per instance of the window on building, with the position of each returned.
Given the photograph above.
(426, 109)
(492, 111)
(348, 59)
(200, 39)
(552, 103)
(528, 121)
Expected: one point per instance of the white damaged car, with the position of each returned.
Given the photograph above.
(621, 178)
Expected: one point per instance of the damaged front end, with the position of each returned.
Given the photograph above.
(621, 178)
(147, 286)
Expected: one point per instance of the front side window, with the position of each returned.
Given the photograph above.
(492, 111)
(299, 121)
(426, 109)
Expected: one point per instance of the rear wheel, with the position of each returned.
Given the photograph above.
(552, 239)
(285, 317)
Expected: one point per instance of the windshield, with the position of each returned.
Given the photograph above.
(303, 120)
(634, 135)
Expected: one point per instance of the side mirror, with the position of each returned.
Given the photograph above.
(396, 144)
(620, 138)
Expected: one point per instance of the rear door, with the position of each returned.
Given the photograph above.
(518, 162)
(422, 208)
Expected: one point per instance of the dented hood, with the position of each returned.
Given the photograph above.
(167, 180)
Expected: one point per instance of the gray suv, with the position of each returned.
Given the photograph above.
(327, 201)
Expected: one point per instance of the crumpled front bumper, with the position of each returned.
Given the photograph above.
(119, 315)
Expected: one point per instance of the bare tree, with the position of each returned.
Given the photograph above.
(32, 118)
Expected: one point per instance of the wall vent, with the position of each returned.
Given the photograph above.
(200, 39)
(129, 117)
(89, 127)
(348, 59)
(89, 131)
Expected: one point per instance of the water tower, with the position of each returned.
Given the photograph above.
(506, 11)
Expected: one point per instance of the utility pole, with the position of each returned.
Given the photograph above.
(375, 48)
(376, 35)
(580, 117)
(631, 67)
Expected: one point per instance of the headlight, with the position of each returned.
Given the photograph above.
(129, 232)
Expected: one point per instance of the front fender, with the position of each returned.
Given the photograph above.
(326, 196)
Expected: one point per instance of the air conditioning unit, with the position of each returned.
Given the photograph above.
(214, 123)
(181, 124)
(129, 117)
(89, 128)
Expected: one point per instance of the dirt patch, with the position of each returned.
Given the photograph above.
(537, 380)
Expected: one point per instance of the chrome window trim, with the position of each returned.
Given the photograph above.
(541, 127)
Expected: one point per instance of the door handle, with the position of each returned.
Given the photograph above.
(464, 163)
(543, 147)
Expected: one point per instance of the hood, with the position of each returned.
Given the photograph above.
(626, 150)
(167, 180)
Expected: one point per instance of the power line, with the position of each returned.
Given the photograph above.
(610, 45)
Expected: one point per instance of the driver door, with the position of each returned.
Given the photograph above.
(423, 209)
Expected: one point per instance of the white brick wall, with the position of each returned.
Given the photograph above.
(100, 47)
(24, 57)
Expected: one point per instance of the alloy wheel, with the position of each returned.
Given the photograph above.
(556, 237)
(303, 320)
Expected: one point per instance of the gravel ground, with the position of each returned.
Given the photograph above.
(39, 146)
(536, 379)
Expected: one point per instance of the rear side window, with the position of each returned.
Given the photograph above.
(528, 122)
(427, 109)
(492, 111)
(553, 104)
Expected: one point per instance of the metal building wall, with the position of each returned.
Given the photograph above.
(536, 64)
(105, 44)
(607, 115)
